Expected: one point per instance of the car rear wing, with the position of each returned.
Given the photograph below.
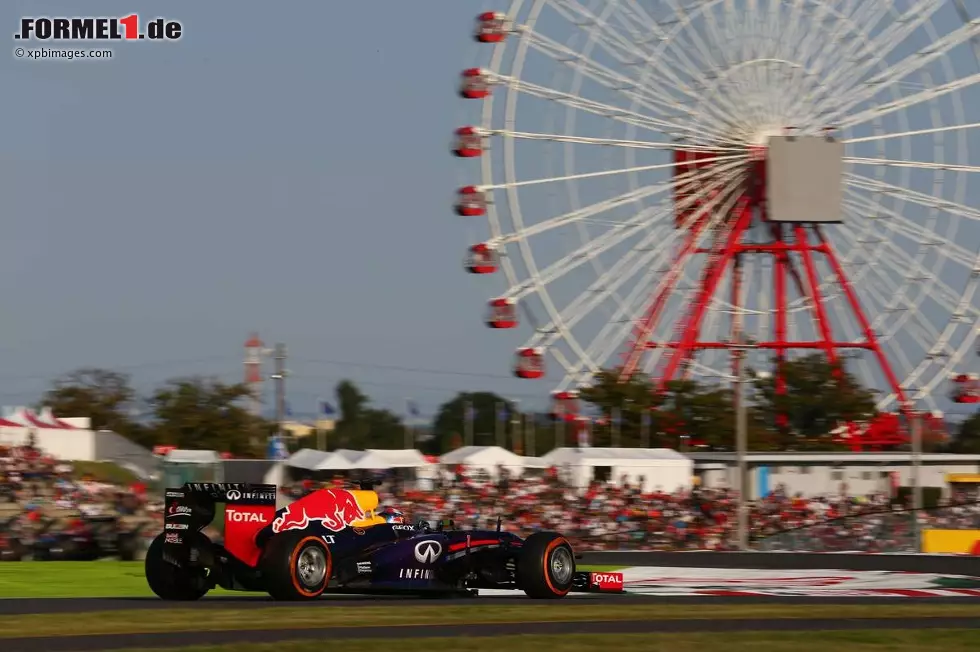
(192, 507)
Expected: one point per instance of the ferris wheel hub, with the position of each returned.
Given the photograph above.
(760, 137)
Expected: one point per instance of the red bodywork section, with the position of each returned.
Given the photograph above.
(606, 582)
(242, 523)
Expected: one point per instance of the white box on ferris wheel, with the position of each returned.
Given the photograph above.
(805, 179)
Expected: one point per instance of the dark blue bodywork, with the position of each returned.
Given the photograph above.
(410, 558)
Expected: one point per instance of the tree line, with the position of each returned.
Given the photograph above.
(205, 413)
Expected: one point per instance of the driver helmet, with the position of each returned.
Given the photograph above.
(391, 515)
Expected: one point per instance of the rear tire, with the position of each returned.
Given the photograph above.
(546, 566)
(296, 566)
(171, 582)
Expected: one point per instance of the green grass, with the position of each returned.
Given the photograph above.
(75, 579)
(305, 617)
(858, 641)
(103, 472)
(99, 579)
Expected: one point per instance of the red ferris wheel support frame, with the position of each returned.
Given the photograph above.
(729, 246)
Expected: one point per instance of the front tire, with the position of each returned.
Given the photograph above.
(171, 582)
(296, 566)
(546, 566)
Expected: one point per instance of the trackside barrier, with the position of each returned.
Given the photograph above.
(956, 542)
(920, 563)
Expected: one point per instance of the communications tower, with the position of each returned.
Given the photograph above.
(254, 350)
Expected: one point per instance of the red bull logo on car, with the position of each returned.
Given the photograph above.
(335, 509)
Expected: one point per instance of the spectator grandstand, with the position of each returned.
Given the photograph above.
(49, 510)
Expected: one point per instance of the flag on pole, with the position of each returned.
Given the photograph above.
(413, 408)
(470, 412)
(277, 449)
(288, 408)
(326, 409)
(646, 418)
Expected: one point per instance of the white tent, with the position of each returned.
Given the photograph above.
(349, 454)
(377, 458)
(660, 468)
(486, 458)
(188, 456)
(535, 463)
(314, 460)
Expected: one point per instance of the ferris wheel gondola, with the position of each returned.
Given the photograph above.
(670, 183)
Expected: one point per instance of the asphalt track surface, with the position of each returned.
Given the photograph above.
(99, 642)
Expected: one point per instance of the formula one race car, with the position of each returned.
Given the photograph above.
(332, 540)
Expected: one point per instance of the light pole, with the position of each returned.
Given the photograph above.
(741, 451)
(916, 424)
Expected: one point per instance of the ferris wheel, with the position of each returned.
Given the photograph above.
(670, 182)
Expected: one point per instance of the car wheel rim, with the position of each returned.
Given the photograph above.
(311, 566)
(561, 565)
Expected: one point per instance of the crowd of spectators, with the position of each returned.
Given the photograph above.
(47, 503)
(42, 498)
(608, 516)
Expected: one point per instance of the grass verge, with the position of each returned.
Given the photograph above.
(99, 579)
(857, 641)
(308, 616)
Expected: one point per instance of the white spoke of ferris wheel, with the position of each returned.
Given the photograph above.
(615, 82)
(618, 328)
(644, 21)
(598, 291)
(910, 229)
(933, 343)
(861, 207)
(607, 142)
(784, 40)
(845, 318)
(908, 65)
(622, 322)
(668, 329)
(864, 55)
(965, 17)
(904, 266)
(608, 38)
(831, 66)
(846, 78)
(874, 185)
(601, 288)
(604, 75)
(586, 213)
(802, 89)
(684, 42)
(898, 294)
(604, 242)
(907, 101)
(904, 134)
(918, 165)
(606, 173)
(590, 106)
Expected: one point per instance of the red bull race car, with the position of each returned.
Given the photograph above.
(337, 540)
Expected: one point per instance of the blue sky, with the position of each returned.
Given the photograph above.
(282, 173)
